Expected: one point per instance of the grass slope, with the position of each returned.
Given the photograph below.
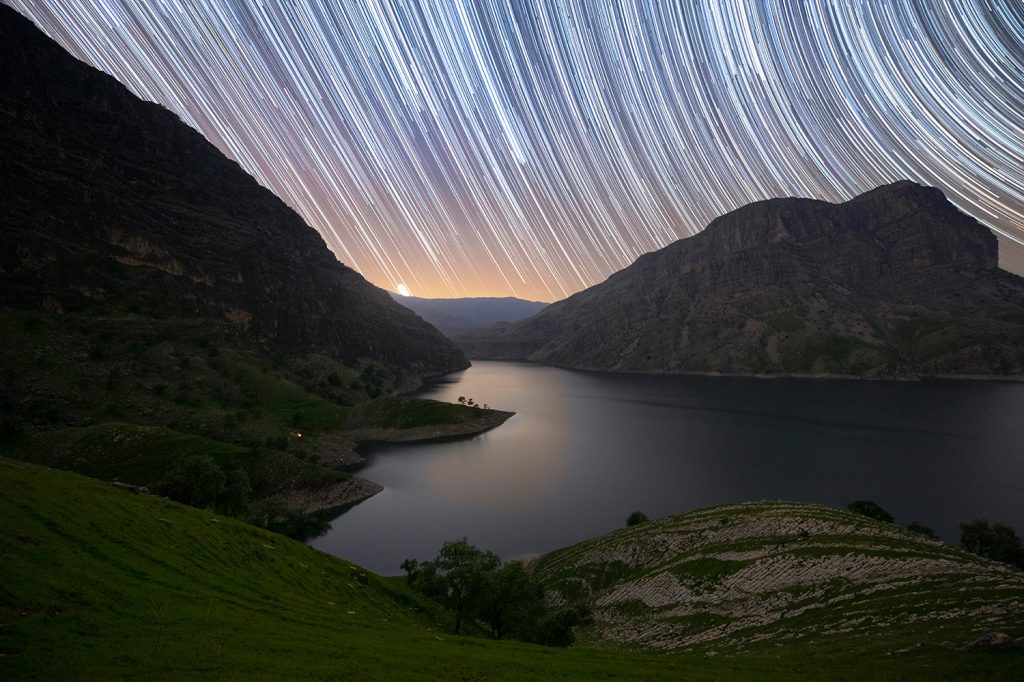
(399, 412)
(757, 576)
(97, 583)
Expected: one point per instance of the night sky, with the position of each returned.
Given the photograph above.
(506, 147)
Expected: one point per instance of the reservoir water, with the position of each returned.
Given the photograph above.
(586, 449)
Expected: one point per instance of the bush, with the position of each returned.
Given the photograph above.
(195, 480)
(556, 629)
(871, 510)
(636, 518)
(915, 527)
(234, 500)
(11, 428)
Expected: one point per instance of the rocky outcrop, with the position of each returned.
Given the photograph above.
(329, 496)
(111, 204)
(993, 641)
(895, 282)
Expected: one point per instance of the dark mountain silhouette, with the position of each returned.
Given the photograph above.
(112, 204)
(895, 282)
(454, 316)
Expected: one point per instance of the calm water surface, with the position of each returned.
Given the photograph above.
(586, 449)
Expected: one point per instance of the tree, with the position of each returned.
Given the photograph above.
(423, 577)
(411, 567)
(474, 584)
(871, 510)
(994, 541)
(463, 568)
(510, 599)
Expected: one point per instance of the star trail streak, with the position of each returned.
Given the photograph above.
(534, 147)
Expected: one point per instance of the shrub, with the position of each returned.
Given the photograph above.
(871, 510)
(234, 499)
(195, 480)
(636, 518)
(915, 527)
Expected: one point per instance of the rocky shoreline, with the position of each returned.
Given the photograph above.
(1014, 378)
(308, 502)
(341, 450)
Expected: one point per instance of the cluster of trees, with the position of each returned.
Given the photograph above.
(200, 482)
(991, 540)
(469, 402)
(481, 591)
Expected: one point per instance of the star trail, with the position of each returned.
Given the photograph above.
(508, 147)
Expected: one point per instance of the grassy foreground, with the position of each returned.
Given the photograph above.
(97, 583)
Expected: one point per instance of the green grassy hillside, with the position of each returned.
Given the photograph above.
(758, 576)
(97, 583)
(131, 398)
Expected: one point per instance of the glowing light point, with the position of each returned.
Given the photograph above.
(403, 290)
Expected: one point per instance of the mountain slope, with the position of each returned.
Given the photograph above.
(768, 574)
(454, 316)
(896, 281)
(112, 204)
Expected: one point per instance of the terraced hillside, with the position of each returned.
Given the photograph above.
(771, 574)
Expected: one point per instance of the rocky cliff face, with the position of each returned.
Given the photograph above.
(109, 203)
(894, 282)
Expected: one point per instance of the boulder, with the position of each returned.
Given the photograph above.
(992, 641)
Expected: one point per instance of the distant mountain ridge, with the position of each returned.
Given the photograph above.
(894, 282)
(113, 204)
(454, 316)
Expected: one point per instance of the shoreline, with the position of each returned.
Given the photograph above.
(342, 451)
(1009, 378)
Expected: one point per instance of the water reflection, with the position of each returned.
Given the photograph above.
(586, 449)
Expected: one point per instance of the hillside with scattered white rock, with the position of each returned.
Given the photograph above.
(761, 574)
